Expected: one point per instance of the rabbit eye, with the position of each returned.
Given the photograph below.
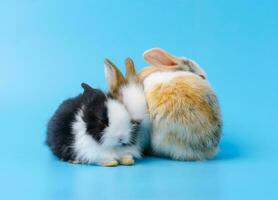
(203, 77)
(102, 122)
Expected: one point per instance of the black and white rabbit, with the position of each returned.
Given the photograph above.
(94, 128)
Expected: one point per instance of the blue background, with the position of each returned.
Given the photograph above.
(47, 48)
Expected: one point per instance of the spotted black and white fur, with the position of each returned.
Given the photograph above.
(92, 128)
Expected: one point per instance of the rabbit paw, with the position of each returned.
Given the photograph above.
(127, 160)
(109, 163)
(75, 161)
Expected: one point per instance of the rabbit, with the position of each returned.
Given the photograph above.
(129, 90)
(183, 108)
(95, 127)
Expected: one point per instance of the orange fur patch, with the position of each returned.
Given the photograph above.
(183, 101)
(116, 86)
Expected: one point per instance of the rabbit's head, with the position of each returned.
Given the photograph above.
(161, 60)
(128, 89)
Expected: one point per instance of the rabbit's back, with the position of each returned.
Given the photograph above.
(60, 137)
(185, 115)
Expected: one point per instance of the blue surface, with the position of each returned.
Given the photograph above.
(47, 48)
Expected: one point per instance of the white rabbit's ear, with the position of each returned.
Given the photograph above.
(160, 58)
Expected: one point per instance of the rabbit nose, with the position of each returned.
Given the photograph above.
(121, 141)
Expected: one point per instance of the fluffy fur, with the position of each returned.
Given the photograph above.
(184, 111)
(185, 116)
(135, 101)
(130, 91)
(92, 128)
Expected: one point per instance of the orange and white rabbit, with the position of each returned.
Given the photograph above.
(183, 108)
(129, 91)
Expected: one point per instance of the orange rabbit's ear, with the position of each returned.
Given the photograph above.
(113, 77)
(130, 70)
(160, 58)
(147, 71)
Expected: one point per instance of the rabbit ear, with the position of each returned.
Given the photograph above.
(130, 70)
(86, 87)
(160, 58)
(113, 77)
(146, 71)
(88, 90)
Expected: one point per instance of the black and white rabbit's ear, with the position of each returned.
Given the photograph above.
(130, 71)
(113, 77)
(88, 89)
